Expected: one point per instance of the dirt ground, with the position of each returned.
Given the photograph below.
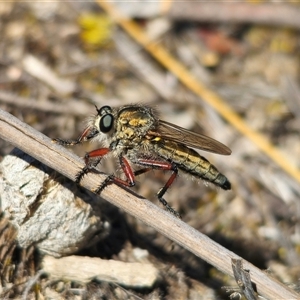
(59, 59)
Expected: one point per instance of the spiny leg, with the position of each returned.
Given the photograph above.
(86, 135)
(89, 133)
(86, 169)
(113, 179)
(163, 166)
(99, 153)
(163, 190)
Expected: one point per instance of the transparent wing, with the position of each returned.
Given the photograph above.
(180, 135)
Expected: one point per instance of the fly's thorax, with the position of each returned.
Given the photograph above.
(133, 122)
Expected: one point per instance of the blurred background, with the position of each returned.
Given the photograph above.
(59, 59)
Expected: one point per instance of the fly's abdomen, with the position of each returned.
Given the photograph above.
(192, 163)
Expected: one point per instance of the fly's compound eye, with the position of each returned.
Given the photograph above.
(104, 110)
(106, 122)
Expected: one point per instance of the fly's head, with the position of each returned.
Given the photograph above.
(125, 126)
(103, 124)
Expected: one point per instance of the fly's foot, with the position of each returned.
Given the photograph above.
(81, 173)
(167, 206)
(86, 168)
(103, 185)
(65, 142)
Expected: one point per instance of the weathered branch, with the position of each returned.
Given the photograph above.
(39, 146)
(85, 269)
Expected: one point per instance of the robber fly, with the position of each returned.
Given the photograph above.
(135, 134)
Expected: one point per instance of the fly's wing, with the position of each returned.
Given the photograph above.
(188, 138)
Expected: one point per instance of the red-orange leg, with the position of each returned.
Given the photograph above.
(130, 175)
(99, 153)
(111, 178)
(96, 153)
(163, 166)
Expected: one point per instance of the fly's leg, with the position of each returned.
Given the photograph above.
(86, 169)
(99, 153)
(113, 179)
(86, 135)
(153, 164)
(163, 190)
(127, 170)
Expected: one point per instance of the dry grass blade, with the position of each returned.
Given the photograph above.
(198, 88)
(282, 13)
(243, 279)
(39, 146)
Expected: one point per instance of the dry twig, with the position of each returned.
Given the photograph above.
(85, 269)
(243, 279)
